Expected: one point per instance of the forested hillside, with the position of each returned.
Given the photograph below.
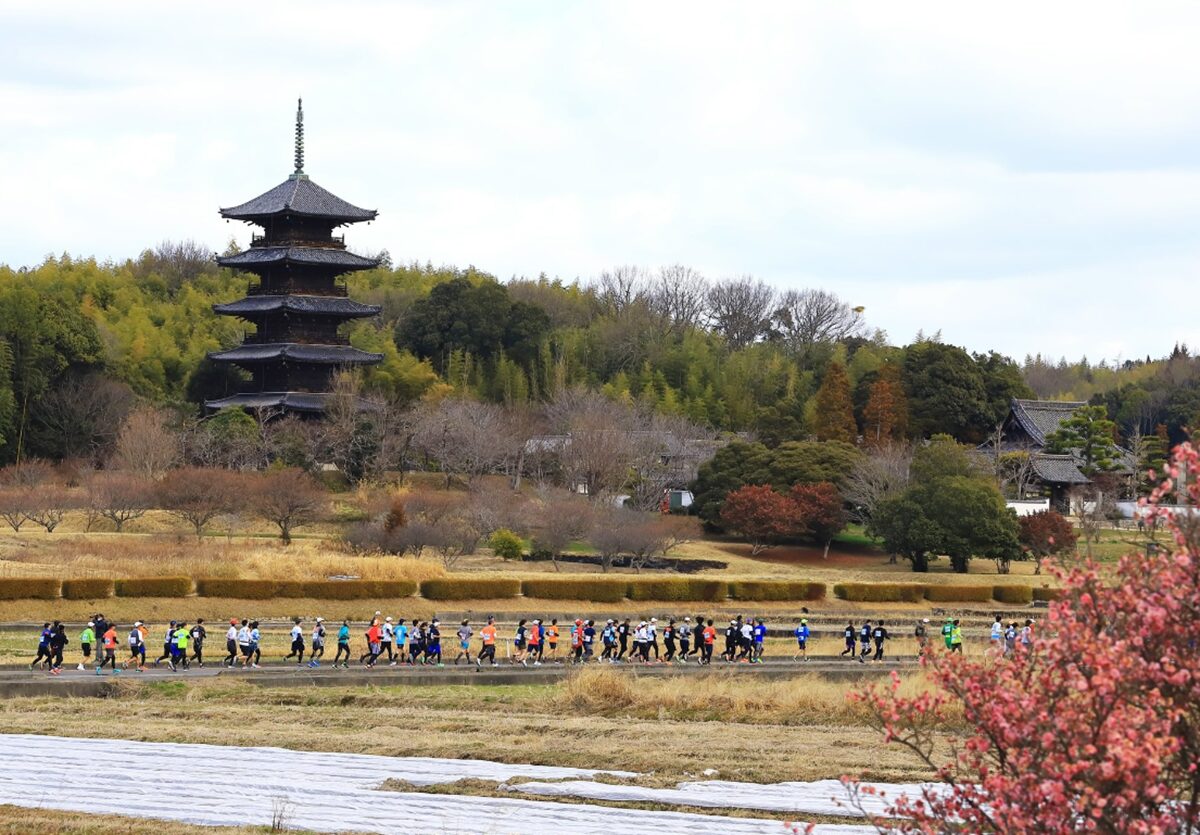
(81, 341)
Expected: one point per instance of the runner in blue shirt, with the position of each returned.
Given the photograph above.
(401, 638)
(802, 634)
(760, 639)
(343, 641)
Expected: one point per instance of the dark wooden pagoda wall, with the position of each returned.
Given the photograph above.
(303, 329)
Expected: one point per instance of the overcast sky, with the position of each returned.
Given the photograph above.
(1024, 177)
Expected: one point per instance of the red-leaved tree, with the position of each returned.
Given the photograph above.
(760, 515)
(1045, 534)
(1093, 728)
(820, 511)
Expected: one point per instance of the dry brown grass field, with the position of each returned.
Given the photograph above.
(15, 820)
(673, 727)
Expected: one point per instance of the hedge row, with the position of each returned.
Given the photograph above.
(484, 588)
(1014, 594)
(880, 592)
(776, 590)
(91, 588)
(315, 589)
(153, 587)
(959, 594)
(28, 588)
(598, 590)
(1047, 594)
(678, 588)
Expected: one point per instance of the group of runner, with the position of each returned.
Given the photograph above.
(534, 642)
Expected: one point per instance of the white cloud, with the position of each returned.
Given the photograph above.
(1019, 176)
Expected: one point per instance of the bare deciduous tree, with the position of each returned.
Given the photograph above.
(289, 499)
(612, 534)
(621, 288)
(48, 504)
(810, 317)
(119, 497)
(559, 517)
(198, 495)
(740, 310)
(877, 476)
(81, 416)
(146, 444)
(461, 436)
(679, 295)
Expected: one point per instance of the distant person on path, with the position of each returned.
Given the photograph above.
(710, 638)
(760, 640)
(318, 643)
(231, 644)
(400, 636)
(386, 636)
(297, 634)
(519, 643)
(623, 638)
(243, 639)
(848, 634)
(879, 635)
(685, 639)
(168, 645)
(552, 638)
(589, 640)
(948, 633)
(109, 643)
(199, 634)
(864, 639)
(652, 635)
(374, 644)
(464, 642)
(343, 646)
(802, 635)
(669, 633)
(956, 638)
(137, 648)
(179, 654)
(1027, 635)
(58, 644)
(608, 637)
(535, 643)
(433, 649)
(997, 635)
(921, 633)
(87, 638)
(1010, 639)
(416, 642)
(255, 643)
(487, 649)
(43, 649)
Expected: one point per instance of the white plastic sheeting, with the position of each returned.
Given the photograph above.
(225, 785)
(820, 797)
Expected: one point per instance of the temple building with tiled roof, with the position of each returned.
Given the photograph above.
(297, 305)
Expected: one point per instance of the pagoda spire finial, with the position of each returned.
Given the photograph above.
(299, 136)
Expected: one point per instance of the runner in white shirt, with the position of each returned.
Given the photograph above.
(388, 635)
(297, 643)
(231, 644)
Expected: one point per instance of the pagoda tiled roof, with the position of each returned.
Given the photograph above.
(252, 353)
(303, 255)
(293, 401)
(298, 195)
(1040, 418)
(338, 306)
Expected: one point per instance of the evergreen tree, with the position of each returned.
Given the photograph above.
(1087, 434)
(886, 413)
(834, 419)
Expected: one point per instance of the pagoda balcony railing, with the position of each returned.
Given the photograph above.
(258, 290)
(261, 339)
(332, 242)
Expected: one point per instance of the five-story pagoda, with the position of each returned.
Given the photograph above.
(297, 305)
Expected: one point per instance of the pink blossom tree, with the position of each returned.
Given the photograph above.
(1095, 727)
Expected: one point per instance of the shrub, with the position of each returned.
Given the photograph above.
(1045, 593)
(880, 592)
(776, 590)
(678, 588)
(958, 593)
(506, 544)
(1013, 594)
(90, 588)
(597, 590)
(483, 588)
(31, 588)
(238, 589)
(290, 588)
(153, 587)
(358, 589)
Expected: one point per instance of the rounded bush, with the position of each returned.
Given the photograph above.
(1047, 594)
(506, 544)
(87, 588)
(596, 590)
(776, 590)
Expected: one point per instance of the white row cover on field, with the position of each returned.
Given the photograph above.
(324, 792)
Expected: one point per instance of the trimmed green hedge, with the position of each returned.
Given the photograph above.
(596, 590)
(776, 590)
(1047, 594)
(678, 588)
(153, 587)
(1013, 594)
(87, 588)
(880, 592)
(958, 594)
(483, 588)
(29, 588)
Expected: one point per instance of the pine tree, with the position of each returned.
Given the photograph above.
(834, 419)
